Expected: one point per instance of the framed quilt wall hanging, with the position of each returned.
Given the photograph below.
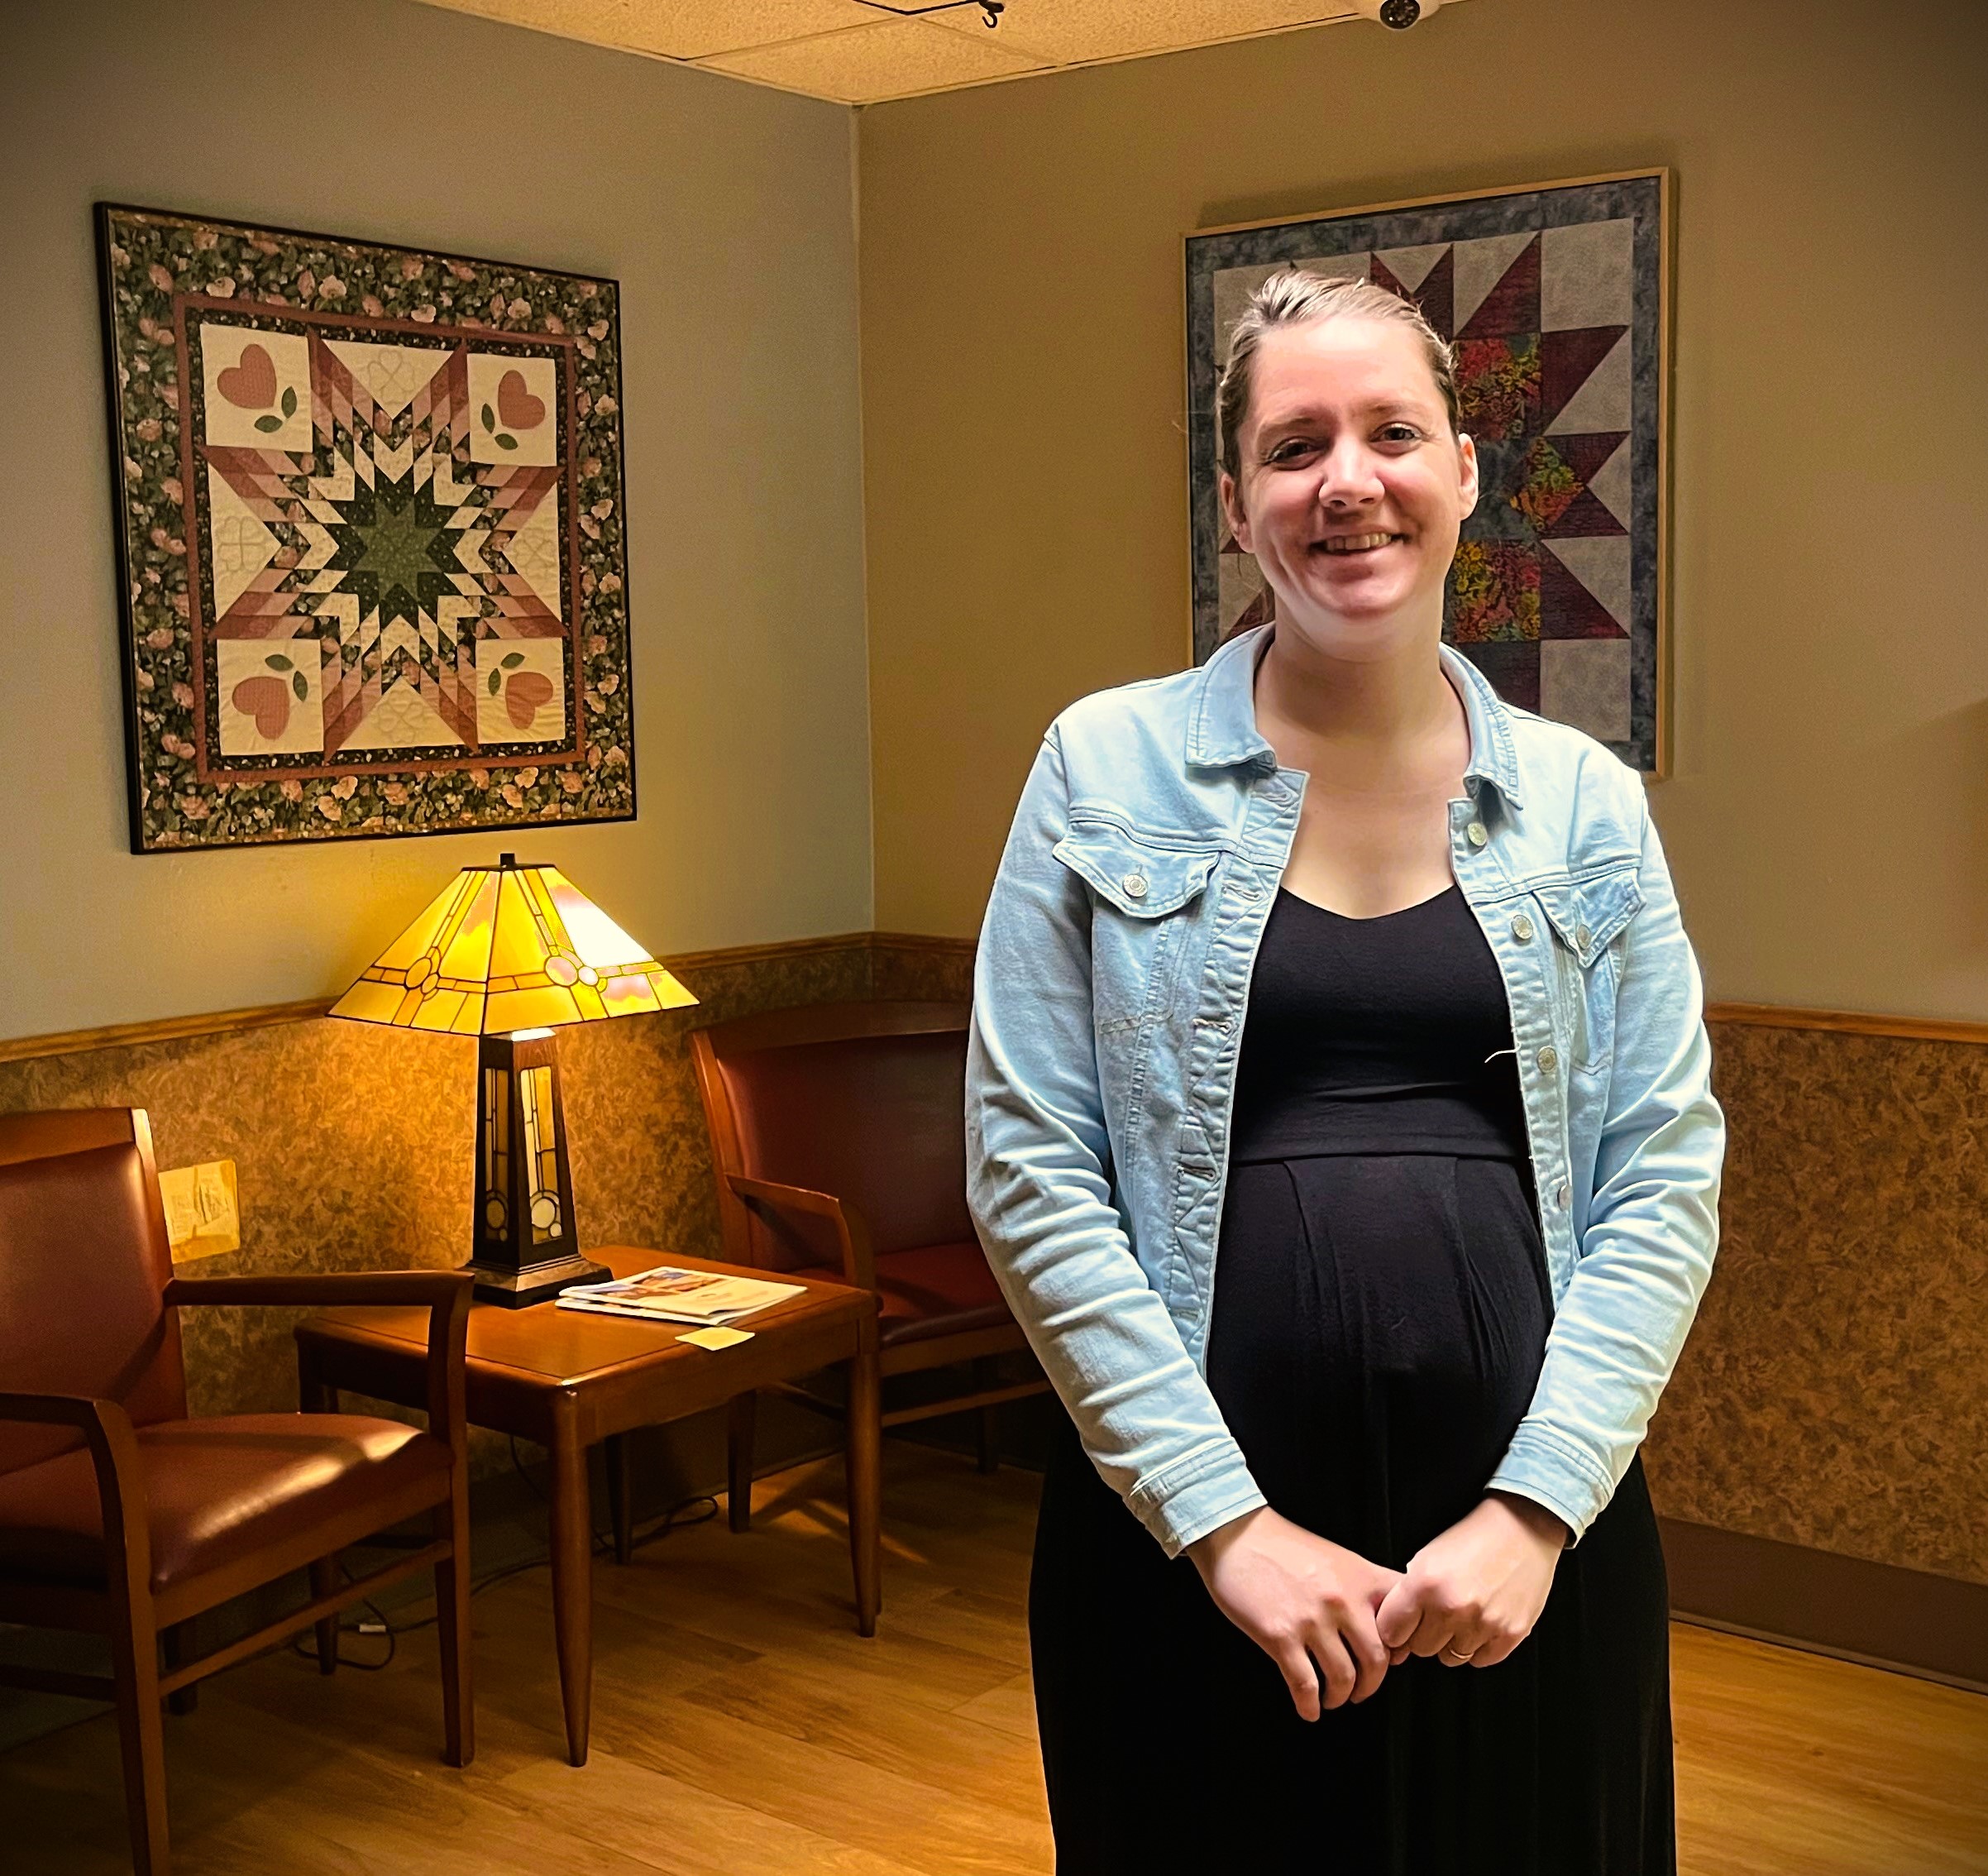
(1555, 297)
(368, 505)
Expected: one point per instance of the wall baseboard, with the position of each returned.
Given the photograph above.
(1877, 1614)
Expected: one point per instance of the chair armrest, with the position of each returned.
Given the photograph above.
(82, 1411)
(325, 1289)
(114, 1449)
(445, 1294)
(851, 1238)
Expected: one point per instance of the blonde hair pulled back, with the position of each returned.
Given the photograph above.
(1291, 297)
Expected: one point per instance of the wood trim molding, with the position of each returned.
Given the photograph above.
(221, 1022)
(758, 954)
(1847, 1022)
(166, 1029)
(1879, 1615)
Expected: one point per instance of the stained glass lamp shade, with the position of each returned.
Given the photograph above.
(507, 954)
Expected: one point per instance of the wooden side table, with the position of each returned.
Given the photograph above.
(567, 1379)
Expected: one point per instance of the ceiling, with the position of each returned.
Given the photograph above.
(857, 54)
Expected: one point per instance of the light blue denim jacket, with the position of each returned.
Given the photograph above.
(1109, 992)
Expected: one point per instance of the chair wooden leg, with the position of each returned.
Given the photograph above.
(179, 1648)
(141, 1735)
(987, 1375)
(864, 1433)
(324, 1582)
(620, 1508)
(739, 1423)
(452, 1624)
(316, 1396)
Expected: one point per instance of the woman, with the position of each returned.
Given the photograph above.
(1323, 957)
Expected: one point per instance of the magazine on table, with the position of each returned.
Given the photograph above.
(669, 1294)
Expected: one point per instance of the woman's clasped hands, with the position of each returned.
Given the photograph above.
(1334, 1622)
(1307, 1603)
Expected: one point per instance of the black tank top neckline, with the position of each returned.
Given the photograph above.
(1349, 918)
(1377, 1036)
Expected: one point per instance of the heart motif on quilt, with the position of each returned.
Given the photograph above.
(249, 383)
(265, 699)
(516, 406)
(523, 695)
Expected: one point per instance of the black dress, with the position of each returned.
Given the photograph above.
(1381, 1310)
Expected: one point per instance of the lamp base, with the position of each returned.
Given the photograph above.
(518, 1287)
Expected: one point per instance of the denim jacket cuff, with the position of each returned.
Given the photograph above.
(1549, 1469)
(1195, 1495)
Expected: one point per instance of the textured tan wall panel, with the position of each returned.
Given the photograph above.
(1834, 1390)
(936, 973)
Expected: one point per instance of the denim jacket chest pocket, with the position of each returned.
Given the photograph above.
(1145, 889)
(1586, 916)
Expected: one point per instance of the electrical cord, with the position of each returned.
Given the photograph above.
(657, 1527)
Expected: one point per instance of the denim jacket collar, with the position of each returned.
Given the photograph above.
(1222, 732)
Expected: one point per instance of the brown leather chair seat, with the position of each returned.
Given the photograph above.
(216, 1490)
(936, 1290)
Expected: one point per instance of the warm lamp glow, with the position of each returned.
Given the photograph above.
(505, 954)
(508, 948)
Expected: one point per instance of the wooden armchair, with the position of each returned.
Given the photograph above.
(121, 1515)
(838, 1132)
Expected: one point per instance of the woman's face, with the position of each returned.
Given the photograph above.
(1353, 487)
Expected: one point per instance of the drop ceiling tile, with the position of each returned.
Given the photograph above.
(596, 21)
(848, 51)
(701, 29)
(891, 58)
(674, 29)
(1068, 31)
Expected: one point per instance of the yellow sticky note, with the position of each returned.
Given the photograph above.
(203, 1211)
(717, 1338)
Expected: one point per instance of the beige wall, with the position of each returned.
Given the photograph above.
(1826, 814)
(725, 212)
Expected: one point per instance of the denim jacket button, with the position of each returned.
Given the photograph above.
(1549, 1059)
(1522, 929)
(1477, 835)
(1562, 1193)
(1134, 884)
(1581, 936)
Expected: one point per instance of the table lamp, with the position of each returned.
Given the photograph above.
(506, 953)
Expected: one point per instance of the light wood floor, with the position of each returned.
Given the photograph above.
(740, 1728)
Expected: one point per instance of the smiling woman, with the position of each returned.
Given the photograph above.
(1357, 475)
(1339, 1127)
